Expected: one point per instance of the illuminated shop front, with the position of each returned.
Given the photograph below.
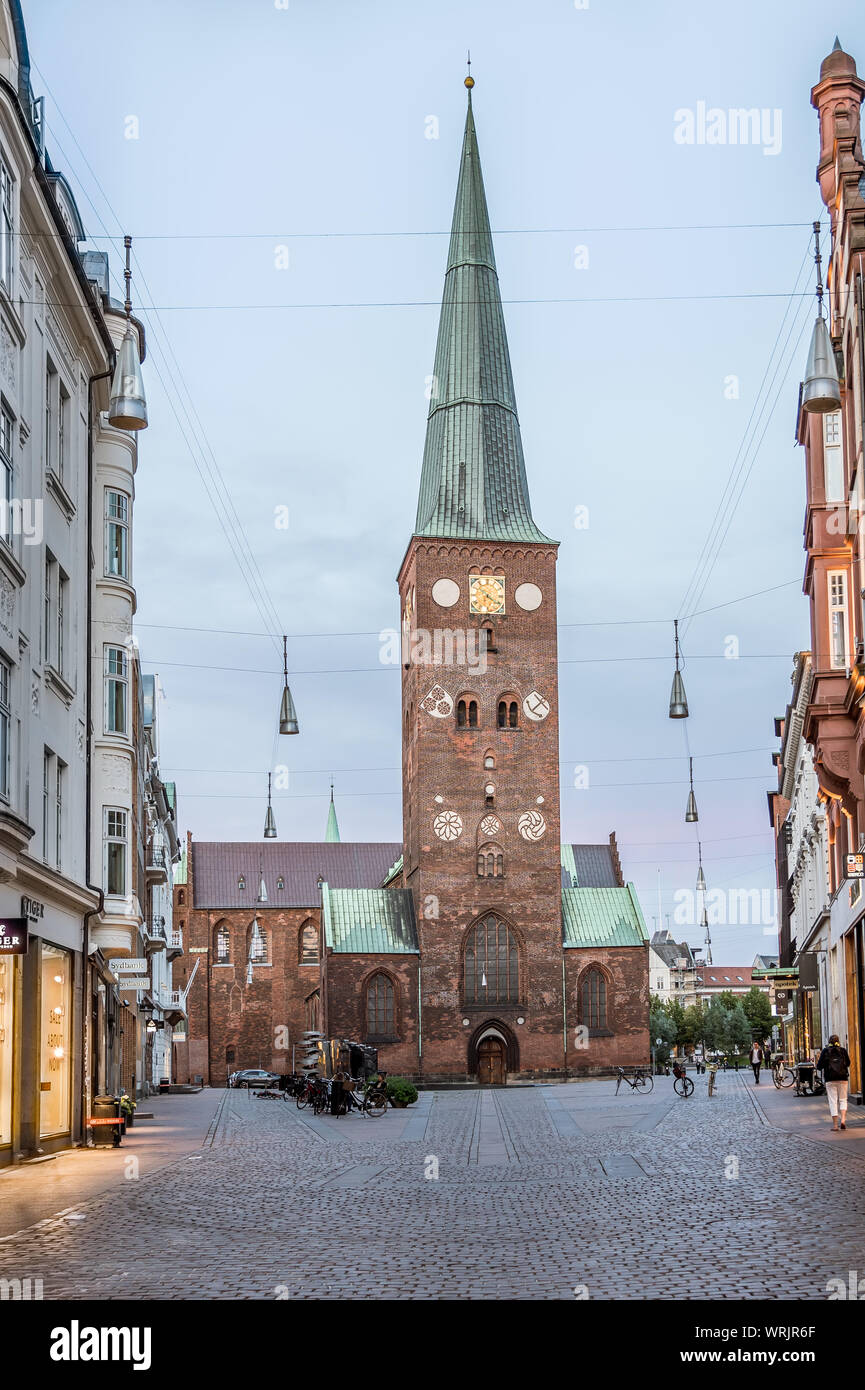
(7, 1006)
(55, 1041)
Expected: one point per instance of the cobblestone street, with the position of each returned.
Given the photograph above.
(540, 1191)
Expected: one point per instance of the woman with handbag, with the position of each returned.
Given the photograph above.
(834, 1063)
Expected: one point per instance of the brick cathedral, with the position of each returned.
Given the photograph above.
(481, 947)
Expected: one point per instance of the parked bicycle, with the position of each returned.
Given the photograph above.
(640, 1081)
(683, 1085)
(782, 1073)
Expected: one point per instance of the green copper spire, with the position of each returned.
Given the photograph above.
(473, 482)
(331, 835)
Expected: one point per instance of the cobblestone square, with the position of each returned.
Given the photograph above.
(557, 1192)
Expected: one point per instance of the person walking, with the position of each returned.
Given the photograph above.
(756, 1059)
(767, 1055)
(834, 1063)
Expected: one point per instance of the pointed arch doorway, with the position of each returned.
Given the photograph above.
(492, 1053)
(492, 1062)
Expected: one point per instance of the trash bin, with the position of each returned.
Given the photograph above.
(164, 1085)
(106, 1114)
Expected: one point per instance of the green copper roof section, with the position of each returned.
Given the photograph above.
(181, 869)
(369, 921)
(331, 834)
(473, 483)
(602, 917)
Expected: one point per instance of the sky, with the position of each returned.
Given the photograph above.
(287, 171)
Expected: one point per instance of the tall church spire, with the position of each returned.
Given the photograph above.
(473, 482)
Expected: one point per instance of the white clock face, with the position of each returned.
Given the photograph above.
(445, 593)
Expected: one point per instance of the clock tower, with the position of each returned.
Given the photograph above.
(480, 698)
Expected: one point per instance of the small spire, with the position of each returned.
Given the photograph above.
(470, 81)
(331, 834)
(836, 47)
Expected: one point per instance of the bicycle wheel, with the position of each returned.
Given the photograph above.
(787, 1078)
(374, 1106)
(683, 1086)
(303, 1100)
(644, 1083)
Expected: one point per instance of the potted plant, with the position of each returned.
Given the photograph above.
(400, 1092)
(127, 1109)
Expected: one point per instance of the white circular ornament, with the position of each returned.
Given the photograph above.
(448, 825)
(529, 597)
(445, 593)
(531, 825)
(490, 827)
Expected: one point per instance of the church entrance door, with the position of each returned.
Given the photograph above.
(491, 1062)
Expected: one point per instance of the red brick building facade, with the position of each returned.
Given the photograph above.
(480, 947)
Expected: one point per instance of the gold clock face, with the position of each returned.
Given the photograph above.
(487, 593)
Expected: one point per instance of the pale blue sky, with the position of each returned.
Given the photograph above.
(258, 124)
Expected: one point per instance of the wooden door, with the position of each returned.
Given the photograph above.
(491, 1062)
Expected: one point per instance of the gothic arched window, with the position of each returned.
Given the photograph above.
(256, 943)
(309, 944)
(380, 1008)
(222, 944)
(594, 999)
(491, 972)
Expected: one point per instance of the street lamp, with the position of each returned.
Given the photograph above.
(678, 702)
(127, 406)
(821, 390)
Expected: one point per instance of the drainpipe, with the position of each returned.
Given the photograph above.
(88, 775)
(419, 1025)
(564, 1014)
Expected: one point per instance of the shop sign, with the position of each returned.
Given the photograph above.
(134, 982)
(127, 966)
(13, 936)
(856, 865)
(32, 909)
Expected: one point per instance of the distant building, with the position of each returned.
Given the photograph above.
(672, 970)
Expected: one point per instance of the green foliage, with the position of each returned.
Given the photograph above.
(758, 1011)
(727, 998)
(737, 1030)
(662, 1026)
(127, 1105)
(694, 1025)
(715, 1026)
(400, 1090)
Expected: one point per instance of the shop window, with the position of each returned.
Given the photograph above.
(55, 1035)
(7, 966)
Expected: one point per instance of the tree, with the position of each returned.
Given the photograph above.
(737, 1029)
(758, 1011)
(715, 1026)
(727, 998)
(695, 1024)
(663, 1027)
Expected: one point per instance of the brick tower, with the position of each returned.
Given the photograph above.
(480, 698)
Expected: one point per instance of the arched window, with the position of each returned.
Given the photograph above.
(309, 944)
(222, 944)
(181, 898)
(488, 641)
(256, 943)
(241, 884)
(594, 999)
(491, 861)
(380, 1015)
(280, 883)
(467, 713)
(489, 761)
(313, 1012)
(509, 714)
(492, 964)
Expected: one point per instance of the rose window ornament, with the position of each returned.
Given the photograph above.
(448, 825)
(531, 825)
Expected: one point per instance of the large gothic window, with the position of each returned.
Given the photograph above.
(380, 1017)
(594, 999)
(492, 964)
(309, 944)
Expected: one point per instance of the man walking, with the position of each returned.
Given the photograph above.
(756, 1059)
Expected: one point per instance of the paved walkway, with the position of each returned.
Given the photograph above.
(807, 1116)
(547, 1192)
(38, 1191)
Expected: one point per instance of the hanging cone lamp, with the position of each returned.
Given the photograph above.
(269, 821)
(127, 406)
(287, 713)
(691, 808)
(678, 703)
(821, 389)
(701, 877)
